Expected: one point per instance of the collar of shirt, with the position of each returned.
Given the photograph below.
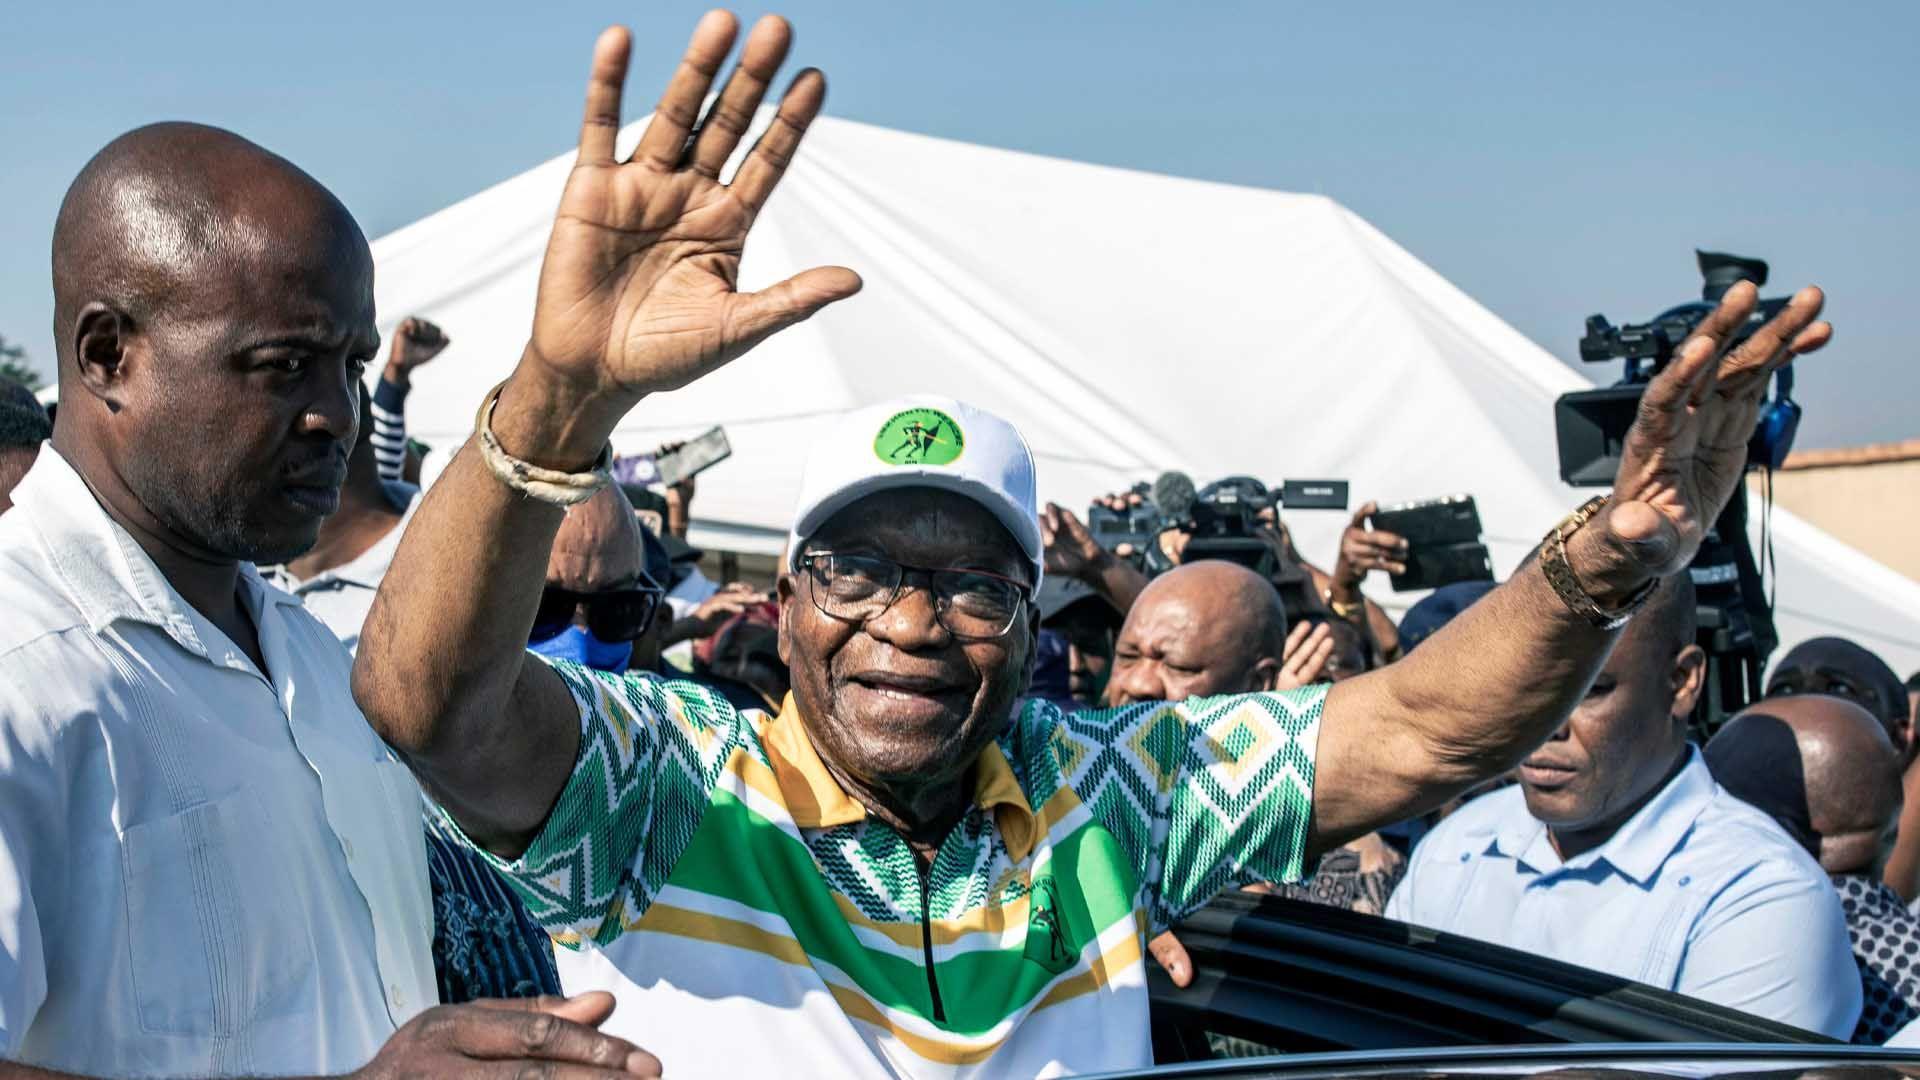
(817, 801)
(107, 575)
(1638, 848)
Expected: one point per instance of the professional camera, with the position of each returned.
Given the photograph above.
(1591, 425)
(1221, 519)
(1736, 616)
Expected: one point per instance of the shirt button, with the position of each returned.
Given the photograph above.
(1465, 855)
(347, 846)
(399, 996)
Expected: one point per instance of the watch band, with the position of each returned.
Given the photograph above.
(1559, 572)
(1340, 610)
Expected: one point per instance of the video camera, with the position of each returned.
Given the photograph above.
(1591, 425)
(1222, 519)
(1736, 618)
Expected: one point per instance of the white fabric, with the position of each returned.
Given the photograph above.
(863, 452)
(342, 597)
(203, 871)
(1124, 322)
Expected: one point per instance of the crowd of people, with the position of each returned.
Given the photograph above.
(327, 753)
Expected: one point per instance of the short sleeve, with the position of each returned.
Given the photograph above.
(651, 750)
(1204, 794)
(1776, 946)
(31, 837)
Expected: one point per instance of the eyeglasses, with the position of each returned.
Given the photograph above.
(612, 615)
(970, 604)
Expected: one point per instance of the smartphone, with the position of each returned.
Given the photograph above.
(694, 457)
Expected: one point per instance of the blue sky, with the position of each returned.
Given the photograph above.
(1552, 160)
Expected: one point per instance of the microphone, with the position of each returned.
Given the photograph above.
(1173, 494)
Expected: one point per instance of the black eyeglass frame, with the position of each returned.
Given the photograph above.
(1023, 593)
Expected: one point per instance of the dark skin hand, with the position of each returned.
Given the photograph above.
(637, 295)
(415, 342)
(551, 1037)
(504, 1040)
(209, 392)
(1072, 551)
(679, 497)
(1363, 550)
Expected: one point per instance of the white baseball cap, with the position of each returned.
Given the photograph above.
(921, 441)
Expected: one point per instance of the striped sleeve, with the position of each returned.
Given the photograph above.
(651, 750)
(1204, 794)
(390, 429)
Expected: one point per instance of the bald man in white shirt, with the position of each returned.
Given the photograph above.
(209, 864)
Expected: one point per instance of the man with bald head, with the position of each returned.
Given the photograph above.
(209, 865)
(1824, 768)
(1839, 668)
(1204, 628)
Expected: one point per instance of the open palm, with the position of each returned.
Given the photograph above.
(638, 288)
(1687, 449)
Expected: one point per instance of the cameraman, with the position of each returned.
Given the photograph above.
(1362, 551)
(1306, 590)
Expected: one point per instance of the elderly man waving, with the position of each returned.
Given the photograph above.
(899, 874)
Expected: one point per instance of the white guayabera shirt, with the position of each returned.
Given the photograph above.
(204, 869)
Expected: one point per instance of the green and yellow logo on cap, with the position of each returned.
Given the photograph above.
(919, 437)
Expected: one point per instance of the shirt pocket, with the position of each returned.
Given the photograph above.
(213, 928)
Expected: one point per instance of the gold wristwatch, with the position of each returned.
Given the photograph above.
(1553, 563)
(1343, 611)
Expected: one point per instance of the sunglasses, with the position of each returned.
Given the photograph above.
(612, 615)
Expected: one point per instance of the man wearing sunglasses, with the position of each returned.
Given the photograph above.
(897, 874)
(598, 599)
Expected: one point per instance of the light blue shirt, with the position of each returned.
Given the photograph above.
(1698, 893)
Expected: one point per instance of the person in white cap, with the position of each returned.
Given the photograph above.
(898, 874)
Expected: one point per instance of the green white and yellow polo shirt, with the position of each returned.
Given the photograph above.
(751, 919)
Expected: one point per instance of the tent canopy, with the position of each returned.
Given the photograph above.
(1126, 322)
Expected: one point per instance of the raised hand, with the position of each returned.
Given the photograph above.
(637, 291)
(415, 342)
(1687, 448)
(1071, 551)
(1364, 549)
(1304, 659)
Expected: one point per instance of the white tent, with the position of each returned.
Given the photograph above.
(1126, 322)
